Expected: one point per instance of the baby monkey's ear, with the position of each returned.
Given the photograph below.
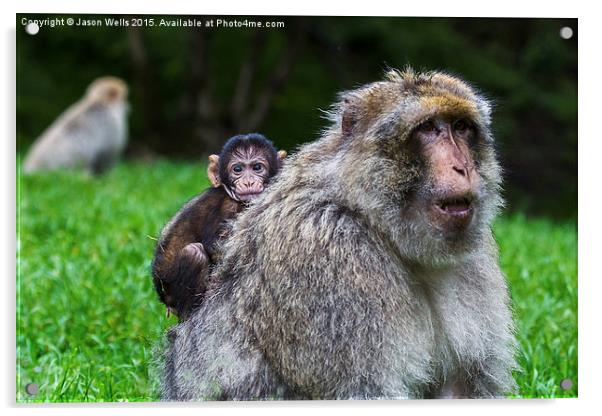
(281, 155)
(213, 171)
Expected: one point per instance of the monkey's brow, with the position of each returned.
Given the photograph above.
(248, 155)
(248, 161)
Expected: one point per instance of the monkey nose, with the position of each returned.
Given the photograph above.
(461, 170)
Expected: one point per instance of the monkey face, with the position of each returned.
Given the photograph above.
(435, 188)
(447, 186)
(248, 178)
(245, 166)
(455, 184)
(248, 172)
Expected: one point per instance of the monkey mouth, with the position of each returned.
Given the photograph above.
(458, 207)
(247, 196)
(452, 214)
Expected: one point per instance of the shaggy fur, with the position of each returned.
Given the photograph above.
(336, 286)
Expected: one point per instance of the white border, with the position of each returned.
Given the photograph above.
(590, 205)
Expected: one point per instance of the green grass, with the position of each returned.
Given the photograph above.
(88, 321)
(540, 260)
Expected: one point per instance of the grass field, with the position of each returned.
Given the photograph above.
(88, 321)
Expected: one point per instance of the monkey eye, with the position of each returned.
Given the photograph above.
(237, 168)
(460, 126)
(427, 127)
(257, 167)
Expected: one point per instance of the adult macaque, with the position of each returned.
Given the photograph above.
(90, 135)
(186, 249)
(369, 269)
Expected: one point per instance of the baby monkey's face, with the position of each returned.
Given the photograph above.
(248, 172)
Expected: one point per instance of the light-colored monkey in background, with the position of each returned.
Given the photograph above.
(89, 135)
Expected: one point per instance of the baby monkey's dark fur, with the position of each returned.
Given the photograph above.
(186, 250)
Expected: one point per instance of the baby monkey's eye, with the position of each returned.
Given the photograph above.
(237, 168)
(257, 167)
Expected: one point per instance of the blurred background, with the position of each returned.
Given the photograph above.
(193, 88)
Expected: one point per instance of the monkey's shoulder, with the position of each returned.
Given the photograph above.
(322, 225)
(203, 218)
(214, 202)
(92, 115)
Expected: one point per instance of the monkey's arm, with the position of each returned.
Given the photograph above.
(486, 369)
(493, 375)
(182, 282)
(180, 265)
(488, 378)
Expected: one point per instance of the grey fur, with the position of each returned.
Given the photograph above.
(337, 287)
(89, 135)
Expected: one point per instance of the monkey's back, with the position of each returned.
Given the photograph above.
(87, 135)
(319, 283)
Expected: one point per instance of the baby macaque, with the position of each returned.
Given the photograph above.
(186, 249)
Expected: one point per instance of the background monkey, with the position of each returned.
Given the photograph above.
(368, 269)
(90, 135)
(186, 248)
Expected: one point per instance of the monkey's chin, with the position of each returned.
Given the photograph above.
(248, 197)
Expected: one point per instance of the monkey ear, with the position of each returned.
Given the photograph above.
(280, 158)
(349, 117)
(213, 171)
